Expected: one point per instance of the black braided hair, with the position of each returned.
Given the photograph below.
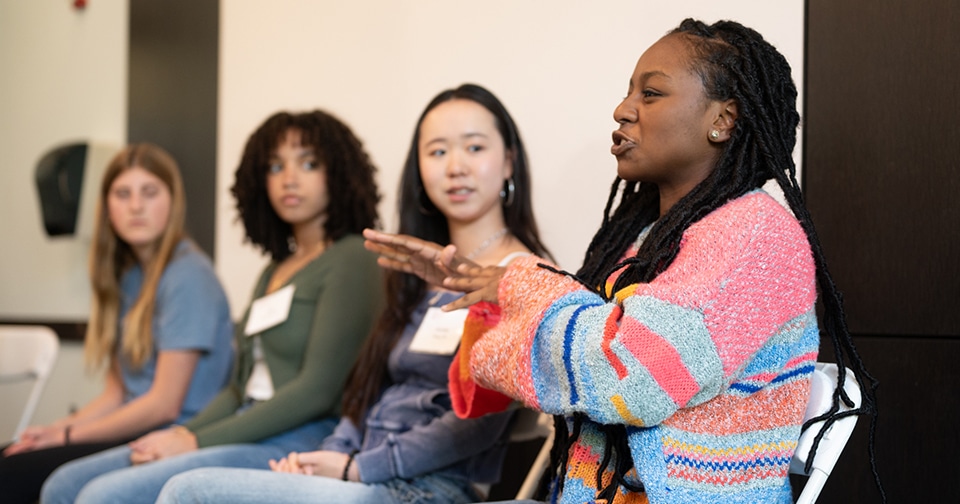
(733, 62)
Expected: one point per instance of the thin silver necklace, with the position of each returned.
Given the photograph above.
(486, 243)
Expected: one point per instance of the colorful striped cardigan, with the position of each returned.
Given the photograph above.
(708, 365)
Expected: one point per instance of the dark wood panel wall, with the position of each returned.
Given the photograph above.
(881, 172)
(172, 86)
(882, 158)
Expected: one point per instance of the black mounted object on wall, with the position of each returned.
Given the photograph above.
(59, 177)
(68, 180)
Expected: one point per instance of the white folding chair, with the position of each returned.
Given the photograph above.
(531, 425)
(824, 382)
(528, 425)
(27, 353)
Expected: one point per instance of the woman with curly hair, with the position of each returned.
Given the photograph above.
(304, 190)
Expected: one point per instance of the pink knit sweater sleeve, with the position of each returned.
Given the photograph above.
(742, 274)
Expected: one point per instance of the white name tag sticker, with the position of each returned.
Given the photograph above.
(270, 310)
(440, 332)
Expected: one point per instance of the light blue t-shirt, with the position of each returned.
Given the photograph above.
(191, 313)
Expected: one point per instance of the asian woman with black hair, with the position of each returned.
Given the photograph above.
(465, 182)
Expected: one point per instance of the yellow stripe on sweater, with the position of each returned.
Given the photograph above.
(624, 412)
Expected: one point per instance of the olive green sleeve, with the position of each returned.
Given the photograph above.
(223, 405)
(350, 302)
(229, 399)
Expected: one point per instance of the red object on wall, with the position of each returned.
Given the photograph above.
(79, 4)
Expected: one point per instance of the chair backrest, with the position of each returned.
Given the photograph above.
(531, 425)
(824, 383)
(527, 425)
(27, 353)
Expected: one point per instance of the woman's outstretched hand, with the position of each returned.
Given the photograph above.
(480, 283)
(436, 265)
(412, 255)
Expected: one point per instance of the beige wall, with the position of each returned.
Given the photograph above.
(62, 78)
(559, 66)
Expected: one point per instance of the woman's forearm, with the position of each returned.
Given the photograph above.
(158, 407)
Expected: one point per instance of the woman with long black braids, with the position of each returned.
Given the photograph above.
(679, 356)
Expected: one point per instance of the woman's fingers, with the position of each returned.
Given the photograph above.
(140, 457)
(406, 254)
(287, 464)
(386, 243)
(397, 253)
(470, 278)
(394, 264)
(463, 302)
(424, 270)
(435, 264)
(19, 447)
(480, 284)
(465, 284)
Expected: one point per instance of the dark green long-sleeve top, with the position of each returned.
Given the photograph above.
(337, 298)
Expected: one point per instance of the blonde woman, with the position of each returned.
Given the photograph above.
(159, 322)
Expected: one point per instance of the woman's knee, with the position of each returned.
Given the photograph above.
(66, 482)
(184, 487)
(63, 484)
(53, 491)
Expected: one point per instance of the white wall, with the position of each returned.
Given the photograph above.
(560, 67)
(62, 78)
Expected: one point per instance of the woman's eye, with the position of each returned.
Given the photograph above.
(310, 164)
(474, 148)
(150, 191)
(121, 193)
(437, 152)
(649, 93)
(274, 168)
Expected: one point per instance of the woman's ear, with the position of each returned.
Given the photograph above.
(724, 122)
(511, 158)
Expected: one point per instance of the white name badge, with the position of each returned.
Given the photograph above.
(270, 310)
(440, 332)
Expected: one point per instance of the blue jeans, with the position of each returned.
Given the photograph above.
(108, 477)
(241, 486)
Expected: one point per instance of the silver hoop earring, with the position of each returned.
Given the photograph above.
(506, 194)
(714, 135)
